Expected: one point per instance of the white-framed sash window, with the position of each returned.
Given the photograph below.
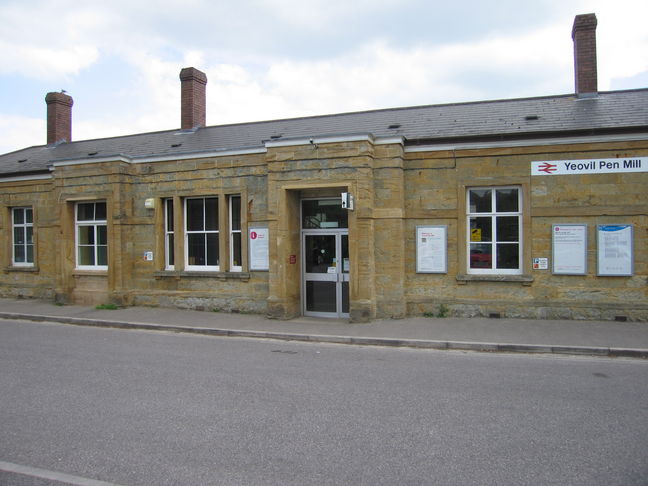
(494, 220)
(236, 254)
(201, 234)
(169, 235)
(23, 237)
(91, 236)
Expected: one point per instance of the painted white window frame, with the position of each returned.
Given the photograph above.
(95, 224)
(204, 231)
(494, 214)
(232, 232)
(23, 227)
(169, 235)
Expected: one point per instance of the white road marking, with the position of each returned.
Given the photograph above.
(51, 475)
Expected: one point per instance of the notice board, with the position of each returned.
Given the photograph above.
(569, 249)
(431, 249)
(615, 250)
(258, 244)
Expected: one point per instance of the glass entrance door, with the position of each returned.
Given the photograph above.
(326, 273)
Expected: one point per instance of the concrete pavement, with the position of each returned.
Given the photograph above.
(598, 338)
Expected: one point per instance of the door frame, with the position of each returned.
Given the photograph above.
(339, 277)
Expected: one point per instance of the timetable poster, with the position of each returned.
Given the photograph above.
(615, 251)
(431, 249)
(569, 248)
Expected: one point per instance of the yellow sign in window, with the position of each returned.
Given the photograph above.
(475, 234)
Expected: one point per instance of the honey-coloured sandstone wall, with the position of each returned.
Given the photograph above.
(436, 185)
(36, 281)
(395, 190)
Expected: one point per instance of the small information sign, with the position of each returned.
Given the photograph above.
(540, 263)
(431, 249)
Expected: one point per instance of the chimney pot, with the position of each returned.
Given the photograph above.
(585, 69)
(193, 103)
(59, 117)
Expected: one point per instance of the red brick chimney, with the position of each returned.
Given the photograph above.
(59, 117)
(192, 98)
(585, 72)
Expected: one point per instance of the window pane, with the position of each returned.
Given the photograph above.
(506, 200)
(212, 249)
(102, 255)
(480, 229)
(30, 235)
(86, 235)
(211, 214)
(345, 297)
(480, 201)
(507, 228)
(19, 236)
(169, 214)
(235, 202)
(19, 253)
(18, 216)
(481, 255)
(102, 235)
(86, 255)
(100, 211)
(236, 249)
(29, 216)
(85, 211)
(324, 213)
(345, 256)
(320, 296)
(30, 254)
(195, 221)
(170, 250)
(320, 252)
(196, 249)
(508, 256)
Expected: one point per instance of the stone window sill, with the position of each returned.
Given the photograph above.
(32, 269)
(523, 279)
(243, 276)
(89, 273)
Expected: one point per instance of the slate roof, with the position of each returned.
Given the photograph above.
(564, 115)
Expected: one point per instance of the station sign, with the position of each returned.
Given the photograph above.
(589, 166)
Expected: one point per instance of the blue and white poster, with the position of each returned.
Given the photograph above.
(615, 251)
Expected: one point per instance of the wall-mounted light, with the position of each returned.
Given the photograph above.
(347, 201)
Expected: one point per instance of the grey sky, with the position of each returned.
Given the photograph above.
(281, 58)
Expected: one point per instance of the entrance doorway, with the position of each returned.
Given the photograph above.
(325, 259)
(326, 274)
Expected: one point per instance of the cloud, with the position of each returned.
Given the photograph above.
(321, 15)
(622, 40)
(46, 44)
(282, 58)
(45, 62)
(20, 132)
(380, 75)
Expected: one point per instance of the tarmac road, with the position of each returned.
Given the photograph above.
(153, 408)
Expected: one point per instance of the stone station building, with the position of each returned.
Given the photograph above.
(532, 207)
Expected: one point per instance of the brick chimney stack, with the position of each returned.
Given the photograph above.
(585, 72)
(59, 117)
(192, 98)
